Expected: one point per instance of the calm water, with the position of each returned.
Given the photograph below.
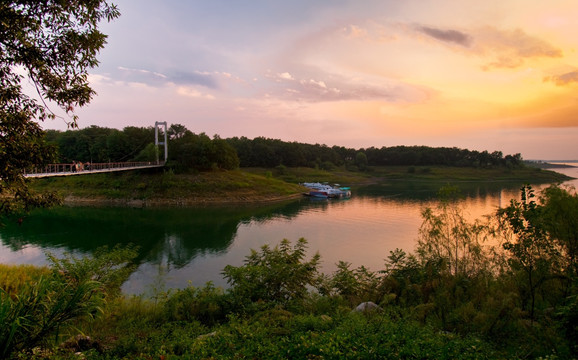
(181, 246)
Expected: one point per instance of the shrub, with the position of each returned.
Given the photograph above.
(206, 305)
(355, 286)
(327, 165)
(273, 276)
(110, 268)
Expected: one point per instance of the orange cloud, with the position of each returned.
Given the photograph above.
(510, 48)
(503, 48)
(563, 79)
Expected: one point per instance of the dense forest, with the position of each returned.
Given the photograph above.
(190, 151)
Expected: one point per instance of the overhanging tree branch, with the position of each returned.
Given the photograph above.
(56, 43)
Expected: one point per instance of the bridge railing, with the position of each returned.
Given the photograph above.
(88, 167)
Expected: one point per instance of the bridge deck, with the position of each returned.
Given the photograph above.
(70, 169)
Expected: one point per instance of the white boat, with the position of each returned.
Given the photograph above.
(318, 190)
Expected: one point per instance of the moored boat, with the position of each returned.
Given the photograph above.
(319, 190)
(317, 194)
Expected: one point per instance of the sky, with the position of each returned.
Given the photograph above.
(496, 75)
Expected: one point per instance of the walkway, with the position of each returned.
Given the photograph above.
(71, 169)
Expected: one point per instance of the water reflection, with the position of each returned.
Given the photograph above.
(180, 234)
(178, 245)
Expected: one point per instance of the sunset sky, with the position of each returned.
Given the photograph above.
(484, 75)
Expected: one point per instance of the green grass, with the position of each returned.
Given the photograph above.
(416, 173)
(444, 173)
(304, 174)
(135, 328)
(14, 277)
(225, 186)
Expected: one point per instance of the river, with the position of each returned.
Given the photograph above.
(183, 246)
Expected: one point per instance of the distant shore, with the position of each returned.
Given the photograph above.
(258, 185)
(551, 164)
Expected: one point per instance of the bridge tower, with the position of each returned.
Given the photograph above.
(165, 142)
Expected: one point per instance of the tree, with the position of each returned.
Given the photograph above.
(177, 131)
(361, 161)
(53, 44)
(561, 218)
(532, 251)
(225, 155)
(446, 234)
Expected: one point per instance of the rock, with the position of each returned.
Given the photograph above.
(81, 343)
(204, 336)
(367, 307)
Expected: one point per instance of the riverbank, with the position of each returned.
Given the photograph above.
(164, 188)
(258, 185)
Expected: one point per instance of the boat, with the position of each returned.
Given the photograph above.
(317, 194)
(319, 190)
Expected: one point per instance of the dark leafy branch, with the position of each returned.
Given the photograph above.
(52, 44)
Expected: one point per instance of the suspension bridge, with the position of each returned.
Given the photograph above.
(79, 168)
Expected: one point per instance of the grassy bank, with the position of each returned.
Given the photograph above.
(253, 185)
(166, 188)
(142, 331)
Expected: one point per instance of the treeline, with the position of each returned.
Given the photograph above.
(187, 151)
(190, 151)
(98, 144)
(264, 152)
(424, 155)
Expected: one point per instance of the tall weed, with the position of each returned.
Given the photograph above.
(207, 305)
(75, 289)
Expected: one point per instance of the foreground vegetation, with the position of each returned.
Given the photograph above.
(456, 297)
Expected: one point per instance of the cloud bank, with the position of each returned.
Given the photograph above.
(333, 88)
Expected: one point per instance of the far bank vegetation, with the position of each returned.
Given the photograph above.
(189, 151)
